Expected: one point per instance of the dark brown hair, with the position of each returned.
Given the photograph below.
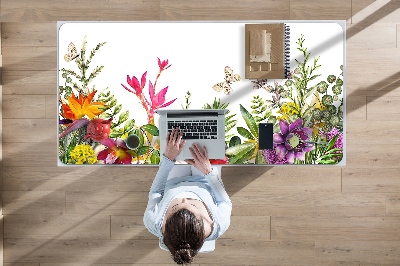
(184, 235)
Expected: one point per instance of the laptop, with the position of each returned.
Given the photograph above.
(206, 127)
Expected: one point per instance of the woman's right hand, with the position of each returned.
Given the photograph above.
(200, 159)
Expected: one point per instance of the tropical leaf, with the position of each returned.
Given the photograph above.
(243, 156)
(152, 129)
(129, 125)
(259, 158)
(144, 149)
(229, 125)
(245, 133)
(331, 143)
(155, 157)
(250, 122)
(327, 162)
(240, 149)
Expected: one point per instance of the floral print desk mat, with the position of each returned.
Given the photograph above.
(114, 76)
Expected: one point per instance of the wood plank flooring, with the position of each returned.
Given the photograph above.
(281, 215)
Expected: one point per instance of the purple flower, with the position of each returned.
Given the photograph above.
(292, 142)
(271, 157)
(331, 134)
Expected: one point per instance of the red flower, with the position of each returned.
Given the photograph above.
(219, 161)
(116, 152)
(163, 65)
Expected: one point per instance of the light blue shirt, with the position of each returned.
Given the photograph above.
(209, 188)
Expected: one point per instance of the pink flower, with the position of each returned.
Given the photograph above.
(134, 83)
(163, 64)
(115, 153)
(158, 100)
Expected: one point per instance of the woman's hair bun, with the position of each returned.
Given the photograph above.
(183, 256)
(184, 245)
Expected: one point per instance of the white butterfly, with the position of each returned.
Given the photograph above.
(72, 53)
(229, 79)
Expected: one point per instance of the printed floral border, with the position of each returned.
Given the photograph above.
(308, 120)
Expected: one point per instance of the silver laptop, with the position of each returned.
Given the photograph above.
(205, 127)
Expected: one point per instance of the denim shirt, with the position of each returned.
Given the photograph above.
(209, 188)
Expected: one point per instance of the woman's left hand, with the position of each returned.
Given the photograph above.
(174, 144)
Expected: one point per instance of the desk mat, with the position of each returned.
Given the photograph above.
(113, 76)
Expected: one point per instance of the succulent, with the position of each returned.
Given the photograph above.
(331, 109)
(327, 100)
(327, 127)
(289, 83)
(322, 87)
(334, 120)
(325, 114)
(317, 114)
(337, 89)
(331, 78)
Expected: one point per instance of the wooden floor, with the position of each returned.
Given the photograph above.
(281, 215)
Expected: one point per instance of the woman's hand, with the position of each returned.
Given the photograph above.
(174, 144)
(200, 159)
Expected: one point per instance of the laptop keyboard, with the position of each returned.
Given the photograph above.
(196, 129)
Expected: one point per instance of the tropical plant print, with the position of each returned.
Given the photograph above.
(307, 119)
(93, 130)
(306, 111)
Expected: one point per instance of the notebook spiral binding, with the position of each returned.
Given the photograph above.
(287, 50)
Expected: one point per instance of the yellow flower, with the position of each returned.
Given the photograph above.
(83, 153)
(289, 108)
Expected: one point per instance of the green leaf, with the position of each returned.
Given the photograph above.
(335, 150)
(259, 158)
(331, 143)
(138, 133)
(123, 117)
(129, 125)
(235, 140)
(152, 129)
(230, 125)
(144, 149)
(310, 91)
(249, 119)
(272, 119)
(277, 128)
(244, 133)
(105, 115)
(240, 149)
(327, 162)
(117, 109)
(115, 135)
(155, 157)
(242, 157)
(329, 156)
(315, 76)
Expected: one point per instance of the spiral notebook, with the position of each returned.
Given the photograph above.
(267, 51)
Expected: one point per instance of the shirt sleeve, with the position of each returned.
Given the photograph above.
(156, 194)
(222, 199)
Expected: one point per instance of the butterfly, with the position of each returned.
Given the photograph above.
(72, 53)
(229, 79)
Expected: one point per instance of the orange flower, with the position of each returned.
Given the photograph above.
(79, 107)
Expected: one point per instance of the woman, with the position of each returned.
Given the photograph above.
(187, 204)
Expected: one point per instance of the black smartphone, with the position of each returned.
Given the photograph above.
(265, 136)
